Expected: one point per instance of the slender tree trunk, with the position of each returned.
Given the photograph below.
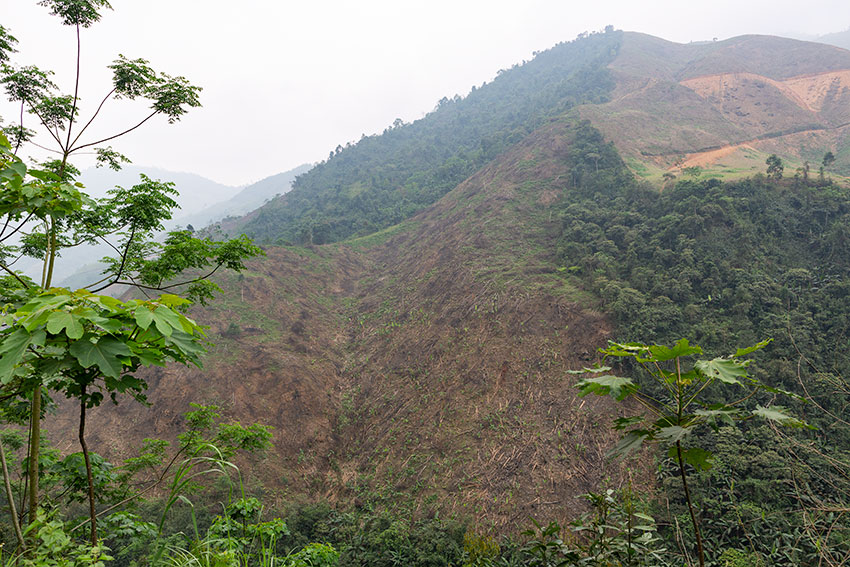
(35, 442)
(12, 511)
(690, 505)
(89, 477)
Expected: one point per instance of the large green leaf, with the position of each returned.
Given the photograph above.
(681, 348)
(673, 433)
(143, 316)
(727, 370)
(694, 456)
(70, 322)
(745, 351)
(107, 353)
(166, 320)
(618, 387)
(13, 348)
(777, 414)
(631, 442)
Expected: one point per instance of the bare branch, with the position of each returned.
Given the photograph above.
(127, 131)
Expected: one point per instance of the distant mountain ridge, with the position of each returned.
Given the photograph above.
(840, 39)
(201, 202)
(196, 191)
(246, 200)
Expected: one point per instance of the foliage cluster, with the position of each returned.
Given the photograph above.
(725, 265)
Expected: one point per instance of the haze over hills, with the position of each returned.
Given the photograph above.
(413, 352)
(201, 202)
(246, 200)
(839, 39)
(195, 192)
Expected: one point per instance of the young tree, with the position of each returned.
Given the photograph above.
(79, 343)
(674, 403)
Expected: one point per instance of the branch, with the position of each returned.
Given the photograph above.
(20, 139)
(20, 226)
(164, 287)
(14, 275)
(45, 148)
(94, 115)
(120, 271)
(128, 130)
(46, 127)
(74, 104)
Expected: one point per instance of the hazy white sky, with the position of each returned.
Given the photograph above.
(286, 81)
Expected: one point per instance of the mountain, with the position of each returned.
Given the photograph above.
(251, 197)
(423, 362)
(383, 179)
(725, 106)
(839, 39)
(424, 366)
(195, 192)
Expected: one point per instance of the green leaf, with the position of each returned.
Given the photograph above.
(682, 348)
(694, 456)
(618, 387)
(107, 354)
(673, 433)
(13, 348)
(631, 442)
(188, 345)
(170, 300)
(594, 370)
(745, 351)
(143, 316)
(727, 370)
(726, 415)
(60, 320)
(166, 320)
(624, 422)
(778, 415)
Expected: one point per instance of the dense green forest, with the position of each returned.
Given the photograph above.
(383, 179)
(726, 265)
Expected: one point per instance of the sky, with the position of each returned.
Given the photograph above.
(287, 81)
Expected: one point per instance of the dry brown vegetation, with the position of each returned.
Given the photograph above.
(726, 105)
(421, 367)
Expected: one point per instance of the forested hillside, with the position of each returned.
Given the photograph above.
(727, 265)
(383, 179)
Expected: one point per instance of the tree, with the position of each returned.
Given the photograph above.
(774, 166)
(828, 160)
(79, 343)
(674, 402)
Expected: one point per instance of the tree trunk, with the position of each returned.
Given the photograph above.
(13, 513)
(690, 505)
(89, 477)
(35, 442)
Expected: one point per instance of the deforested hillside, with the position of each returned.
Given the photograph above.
(725, 106)
(423, 367)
